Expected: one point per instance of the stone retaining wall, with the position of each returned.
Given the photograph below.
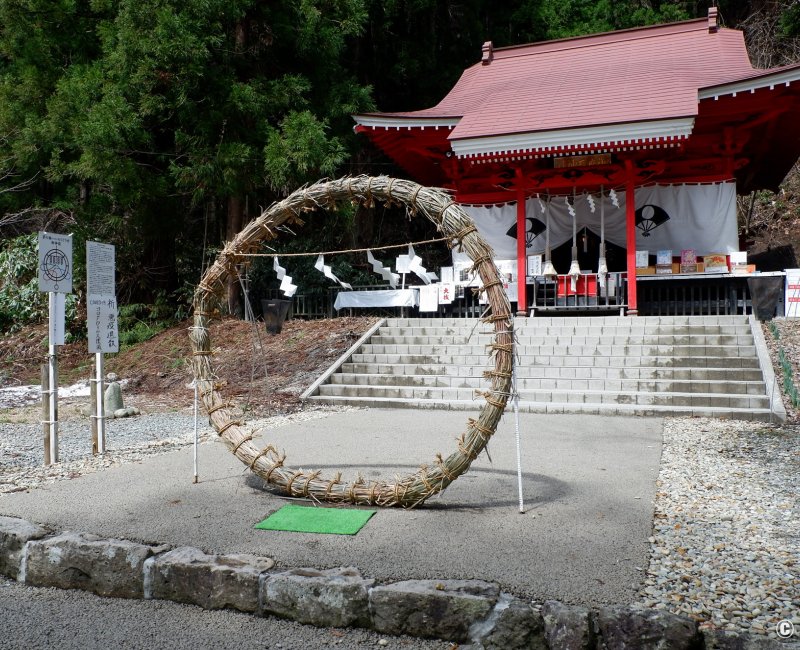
(461, 611)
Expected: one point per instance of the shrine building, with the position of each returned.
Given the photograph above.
(600, 166)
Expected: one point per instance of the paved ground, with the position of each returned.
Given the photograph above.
(589, 485)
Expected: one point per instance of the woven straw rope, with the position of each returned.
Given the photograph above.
(408, 491)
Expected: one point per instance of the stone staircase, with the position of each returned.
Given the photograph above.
(651, 365)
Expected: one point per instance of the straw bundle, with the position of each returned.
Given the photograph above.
(267, 462)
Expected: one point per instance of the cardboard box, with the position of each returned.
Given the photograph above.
(648, 270)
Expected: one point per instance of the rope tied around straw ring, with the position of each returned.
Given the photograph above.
(218, 407)
(493, 318)
(334, 481)
(374, 487)
(291, 480)
(443, 468)
(488, 396)
(423, 476)
(468, 452)
(501, 347)
(484, 431)
(241, 442)
(228, 425)
(277, 464)
(445, 209)
(263, 452)
(492, 283)
(489, 374)
(310, 478)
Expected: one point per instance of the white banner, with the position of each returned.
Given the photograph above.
(677, 217)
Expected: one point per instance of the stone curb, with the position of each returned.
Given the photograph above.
(461, 611)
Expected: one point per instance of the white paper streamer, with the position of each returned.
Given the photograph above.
(570, 209)
(286, 280)
(326, 271)
(541, 204)
(613, 196)
(384, 271)
(590, 201)
(415, 266)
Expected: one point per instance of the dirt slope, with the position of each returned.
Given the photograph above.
(268, 372)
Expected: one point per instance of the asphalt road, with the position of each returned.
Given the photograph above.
(589, 486)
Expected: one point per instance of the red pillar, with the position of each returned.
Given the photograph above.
(630, 231)
(522, 266)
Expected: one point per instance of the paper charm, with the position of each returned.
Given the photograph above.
(384, 271)
(326, 271)
(590, 200)
(287, 287)
(415, 266)
(613, 196)
(570, 209)
(541, 203)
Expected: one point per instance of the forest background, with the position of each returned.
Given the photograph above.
(164, 126)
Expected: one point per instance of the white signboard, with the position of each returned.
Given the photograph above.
(100, 275)
(447, 292)
(57, 319)
(792, 298)
(55, 262)
(102, 322)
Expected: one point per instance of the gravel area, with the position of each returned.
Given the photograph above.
(128, 440)
(726, 535)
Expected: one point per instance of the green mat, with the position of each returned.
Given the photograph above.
(305, 519)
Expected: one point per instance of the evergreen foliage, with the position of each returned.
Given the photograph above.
(162, 126)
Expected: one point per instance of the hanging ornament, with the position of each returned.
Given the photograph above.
(549, 271)
(602, 266)
(541, 204)
(614, 199)
(326, 271)
(574, 267)
(570, 208)
(287, 287)
(415, 266)
(590, 200)
(384, 271)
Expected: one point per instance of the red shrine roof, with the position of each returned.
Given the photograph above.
(605, 92)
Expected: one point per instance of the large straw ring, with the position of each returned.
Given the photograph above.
(452, 221)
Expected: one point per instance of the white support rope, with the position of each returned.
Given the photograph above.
(349, 250)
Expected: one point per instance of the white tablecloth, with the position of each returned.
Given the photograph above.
(380, 298)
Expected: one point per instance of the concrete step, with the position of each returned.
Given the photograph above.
(548, 360)
(650, 410)
(588, 350)
(526, 339)
(546, 396)
(572, 384)
(584, 372)
(705, 366)
(572, 321)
